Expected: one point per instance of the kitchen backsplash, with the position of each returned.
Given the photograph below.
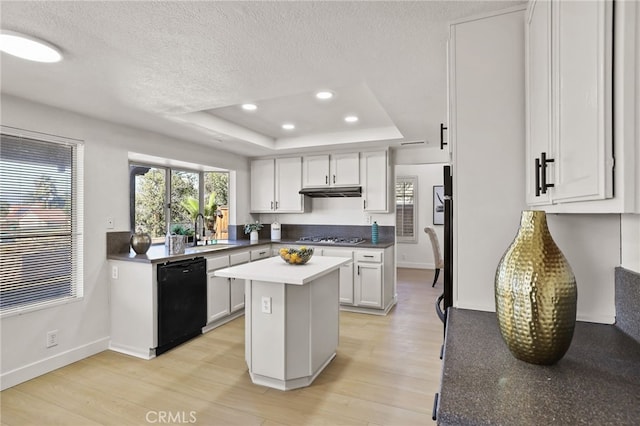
(293, 232)
(628, 302)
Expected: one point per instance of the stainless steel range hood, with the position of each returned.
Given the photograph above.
(334, 192)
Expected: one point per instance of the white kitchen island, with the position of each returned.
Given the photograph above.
(291, 318)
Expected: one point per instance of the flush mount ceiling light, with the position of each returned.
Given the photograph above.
(324, 95)
(27, 47)
(351, 118)
(288, 126)
(249, 107)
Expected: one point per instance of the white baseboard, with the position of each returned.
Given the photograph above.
(38, 368)
(415, 265)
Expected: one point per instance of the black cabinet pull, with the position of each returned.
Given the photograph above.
(442, 142)
(537, 177)
(543, 172)
(334, 178)
(434, 412)
(326, 179)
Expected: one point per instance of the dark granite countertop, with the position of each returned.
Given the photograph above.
(597, 382)
(158, 253)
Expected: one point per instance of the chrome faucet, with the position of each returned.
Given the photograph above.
(195, 229)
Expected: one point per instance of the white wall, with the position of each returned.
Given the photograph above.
(83, 326)
(420, 254)
(591, 244)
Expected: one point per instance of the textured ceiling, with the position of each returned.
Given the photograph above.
(182, 68)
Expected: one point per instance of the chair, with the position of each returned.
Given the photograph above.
(437, 256)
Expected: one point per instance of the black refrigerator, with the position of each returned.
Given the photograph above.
(445, 300)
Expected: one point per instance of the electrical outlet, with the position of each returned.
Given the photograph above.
(369, 221)
(110, 223)
(114, 272)
(52, 338)
(266, 305)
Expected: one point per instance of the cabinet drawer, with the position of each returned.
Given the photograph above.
(337, 253)
(368, 256)
(214, 263)
(260, 253)
(238, 258)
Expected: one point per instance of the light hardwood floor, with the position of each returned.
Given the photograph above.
(386, 372)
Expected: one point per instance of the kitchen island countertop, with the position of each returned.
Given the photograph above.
(596, 382)
(276, 270)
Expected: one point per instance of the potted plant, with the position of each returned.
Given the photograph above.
(179, 229)
(252, 229)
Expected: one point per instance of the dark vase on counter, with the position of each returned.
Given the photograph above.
(535, 294)
(140, 242)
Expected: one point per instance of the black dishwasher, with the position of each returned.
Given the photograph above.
(182, 302)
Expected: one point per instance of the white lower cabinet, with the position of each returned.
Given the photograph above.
(225, 296)
(373, 284)
(368, 279)
(236, 287)
(346, 274)
(218, 295)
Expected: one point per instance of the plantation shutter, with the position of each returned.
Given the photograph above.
(40, 220)
(405, 208)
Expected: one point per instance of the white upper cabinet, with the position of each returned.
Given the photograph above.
(374, 178)
(345, 169)
(275, 185)
(263, 185)
(570, 122)
(538, 93)
(335, 170)
(315, 171)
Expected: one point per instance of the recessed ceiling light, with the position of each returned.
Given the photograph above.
(288, 126)
(351, 119)
(27, 47)
(325, 94)
(249, 107)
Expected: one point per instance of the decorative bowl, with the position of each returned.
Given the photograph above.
(296, 256)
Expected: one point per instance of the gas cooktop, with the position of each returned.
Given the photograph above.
(331, 240)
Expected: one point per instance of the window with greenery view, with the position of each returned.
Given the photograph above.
(406, 208)
(169, 199)
(41, 225)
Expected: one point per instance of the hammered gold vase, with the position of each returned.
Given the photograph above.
(536, 294)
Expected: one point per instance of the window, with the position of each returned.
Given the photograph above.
(406, 208)
(41, 206)
(169, 199)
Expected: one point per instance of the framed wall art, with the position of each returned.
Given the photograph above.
(438, 204)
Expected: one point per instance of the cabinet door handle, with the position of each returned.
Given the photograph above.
(334, 178)
(276, 205)
(537, 177)
(272, 205)
(326, 179)
(367, 255)
(358, 269)
(434, 412)
(364, 204)
(442, 142)
(543, 172)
